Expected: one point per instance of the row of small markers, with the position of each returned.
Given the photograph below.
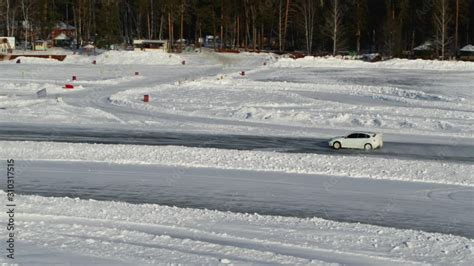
(146, 98)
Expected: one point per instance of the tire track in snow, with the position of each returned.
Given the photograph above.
(217, 241)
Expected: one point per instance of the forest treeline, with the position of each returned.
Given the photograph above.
(392, 27)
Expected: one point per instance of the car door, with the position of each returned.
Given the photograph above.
(362, 139)
(350, 141)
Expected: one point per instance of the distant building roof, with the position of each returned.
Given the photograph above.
(61, 36)
(426, 46)
(63, 26)
(150, 41)
(468, 48)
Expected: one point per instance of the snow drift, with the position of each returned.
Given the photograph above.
(332, 62)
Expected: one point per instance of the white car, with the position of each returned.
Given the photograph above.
(358, 140)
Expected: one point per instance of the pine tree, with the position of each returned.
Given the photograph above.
(109, 23)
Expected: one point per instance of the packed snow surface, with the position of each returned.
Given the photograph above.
(356, 167)
(67, 230)
(275, 102)
(130, 58)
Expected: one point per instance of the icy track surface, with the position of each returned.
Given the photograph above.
(66, 230)
(416, 101)
(458, 153)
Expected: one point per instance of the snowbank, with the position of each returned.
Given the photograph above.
(350, 166)
(53, 50)
(65, 230)
(331, 62)
(32, 61)
(110, 58)
(138, 58)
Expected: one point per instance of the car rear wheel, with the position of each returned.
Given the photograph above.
(336, 145)
(367, 147)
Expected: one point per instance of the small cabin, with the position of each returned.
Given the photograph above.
(88, 49)
(7, 45)
(424, 51)
(467, 53)
(40, 45)
(209, 41)
(144, 45)
(63, 34)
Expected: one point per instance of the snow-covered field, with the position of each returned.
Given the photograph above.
(65, 230)
(306, 104)
(290, 97)
(422, 102)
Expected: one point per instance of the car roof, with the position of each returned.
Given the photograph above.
(368, 133)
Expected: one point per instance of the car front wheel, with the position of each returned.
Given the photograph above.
(336, 145)
(367, 147)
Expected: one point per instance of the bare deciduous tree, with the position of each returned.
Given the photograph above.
(10, 16)
(334, 24)
(26, 7)
(8, 11)
(285, 28)
(308, 9)
(442, 19)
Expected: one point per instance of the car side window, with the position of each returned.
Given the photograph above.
(365, 136)
(352, 136)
